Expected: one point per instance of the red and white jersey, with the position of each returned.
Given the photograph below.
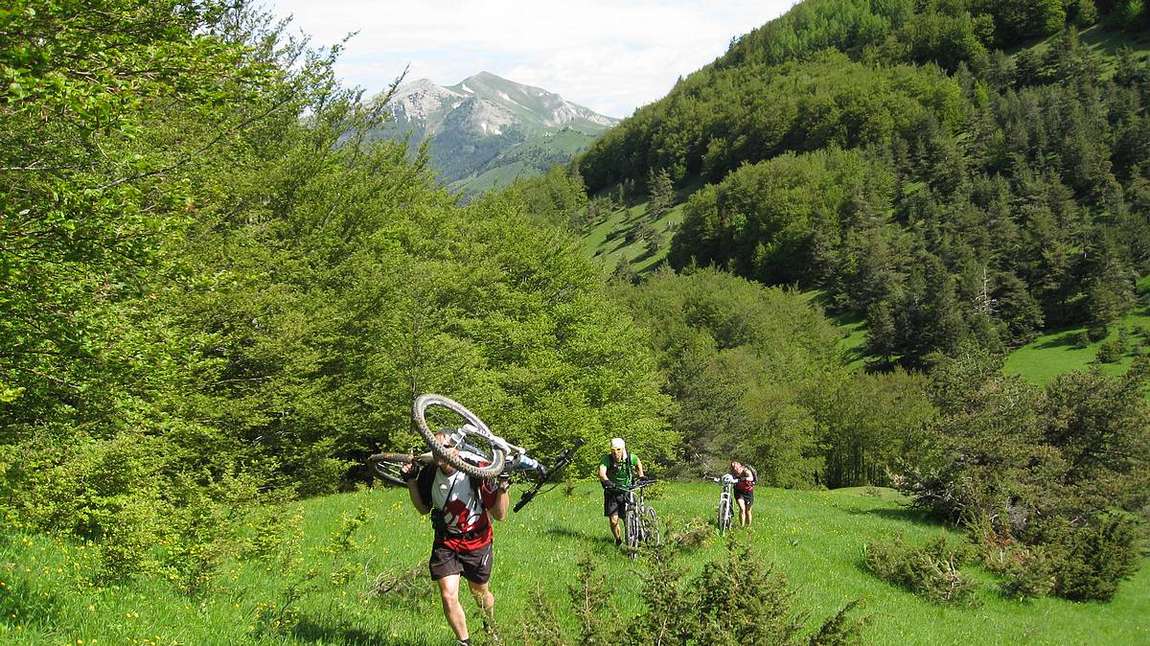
(464, 510)
(746, 483)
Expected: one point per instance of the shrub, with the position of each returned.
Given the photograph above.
(1028, 573)
(1110, 351)
(1097, 332)
(735, 600)
(1088, 562)
(931, 571)
(1080, 339)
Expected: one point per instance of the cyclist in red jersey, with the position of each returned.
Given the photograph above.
(461, 510)
(744, 490)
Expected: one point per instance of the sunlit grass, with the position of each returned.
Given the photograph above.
(815, 538)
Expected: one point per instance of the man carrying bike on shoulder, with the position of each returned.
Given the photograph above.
(744, 490)
(461, 509)
(617, 472)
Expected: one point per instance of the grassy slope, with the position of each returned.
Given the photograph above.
(815, 538)
(515, 163)
(607, 242)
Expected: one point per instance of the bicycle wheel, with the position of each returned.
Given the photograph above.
(387, 466)
(650, 524)
(477, 437)
(724, 515)
(632, 531)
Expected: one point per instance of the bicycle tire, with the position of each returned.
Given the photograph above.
(419, 413)
(631, 530)
(650, 522)
(386, 466)
(725, 514)
(725, 522)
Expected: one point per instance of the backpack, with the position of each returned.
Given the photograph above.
(427, 477)
(628, 461)
(425, 481)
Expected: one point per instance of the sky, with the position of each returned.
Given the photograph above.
(609, 55)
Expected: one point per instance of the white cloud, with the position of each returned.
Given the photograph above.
(609, 56)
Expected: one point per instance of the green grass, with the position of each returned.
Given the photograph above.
(815, 538)
(1054, 353)
(607, 242)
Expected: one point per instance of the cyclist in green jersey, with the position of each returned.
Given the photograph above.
(617, 472)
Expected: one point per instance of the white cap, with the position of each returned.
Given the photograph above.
(618, 443)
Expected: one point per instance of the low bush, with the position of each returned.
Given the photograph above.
(931, 571)
(1080, 339)
(1088, 562)
(736, 599)
(1111, 351)
(1028, 573)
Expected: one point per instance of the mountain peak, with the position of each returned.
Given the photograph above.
(485, 117)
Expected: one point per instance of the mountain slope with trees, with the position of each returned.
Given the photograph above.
(890, 154)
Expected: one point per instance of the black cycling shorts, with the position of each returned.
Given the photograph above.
(749, 496)
(614, 502)
(474, 566)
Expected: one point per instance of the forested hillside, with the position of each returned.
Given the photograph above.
(952, 171)
(214, 291)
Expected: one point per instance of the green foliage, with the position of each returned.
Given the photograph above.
(738, 359)
(660, 192)
(871, 425)
(1111, 351)
(1028, 575)
(1043, 468)
(983, 196)
(217, 289)
(591, 602)
(1089, 561)
(931, 571)
(734, 600)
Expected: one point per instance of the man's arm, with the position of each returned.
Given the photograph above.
(498, 500)
(603, 473)
(639, 466)
(413, 490)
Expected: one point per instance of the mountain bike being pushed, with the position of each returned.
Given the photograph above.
(640, 523)
(618, 470)
(726, 501)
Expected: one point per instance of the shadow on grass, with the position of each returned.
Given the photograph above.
(901, 514)
(596, 538)
(314, 630)
(1066, 340)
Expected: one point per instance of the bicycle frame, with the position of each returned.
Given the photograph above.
(726, 503)
(639, 520)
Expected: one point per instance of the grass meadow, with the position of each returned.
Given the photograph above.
(816, 538)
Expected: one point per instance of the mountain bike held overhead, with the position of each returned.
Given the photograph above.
(463, 483)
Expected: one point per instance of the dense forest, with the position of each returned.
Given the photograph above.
(215, 292)
(891, 154)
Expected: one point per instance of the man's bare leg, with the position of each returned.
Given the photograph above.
(452, 610)
(486, 602)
